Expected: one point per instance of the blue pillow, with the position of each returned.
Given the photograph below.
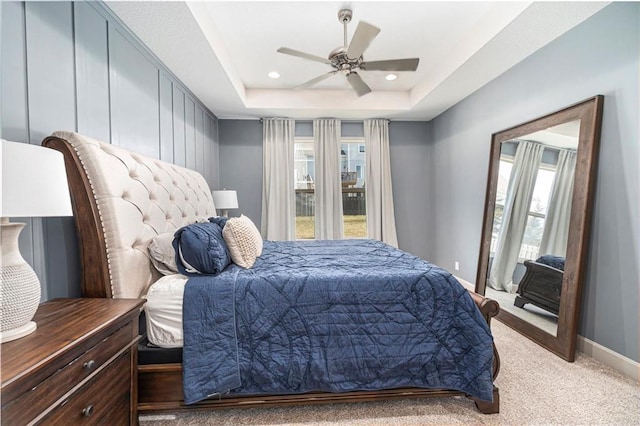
(219, 220)
(553, 261)
(200, 249)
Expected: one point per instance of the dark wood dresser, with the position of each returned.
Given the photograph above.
(78, 367)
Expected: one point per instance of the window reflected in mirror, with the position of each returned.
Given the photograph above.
(531, 223)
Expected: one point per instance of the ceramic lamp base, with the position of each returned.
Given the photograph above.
(20, 293)
(16, 333)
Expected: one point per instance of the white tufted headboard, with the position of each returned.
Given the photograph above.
(122, 200)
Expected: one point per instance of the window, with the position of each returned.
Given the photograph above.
(504, 173)
(537, 209)
(352, 175)
(304, 172)
(537, 214)
(352, 166)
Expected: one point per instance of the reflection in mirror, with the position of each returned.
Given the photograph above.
(531, 223)
(535, 229)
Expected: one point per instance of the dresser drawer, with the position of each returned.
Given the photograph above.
(105, 399)
(27, 407)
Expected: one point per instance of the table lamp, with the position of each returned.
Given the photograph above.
(34, 184)
(225, 200)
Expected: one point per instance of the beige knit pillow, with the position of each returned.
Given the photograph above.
(243, 241)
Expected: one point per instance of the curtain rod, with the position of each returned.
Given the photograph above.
(311, 119)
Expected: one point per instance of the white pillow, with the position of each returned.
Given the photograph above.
(243, 241)
(162, 254)
(164, 311)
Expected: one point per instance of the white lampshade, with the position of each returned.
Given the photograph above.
(225, 200)
(34, 184)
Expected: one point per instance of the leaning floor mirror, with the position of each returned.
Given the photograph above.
(537, 221)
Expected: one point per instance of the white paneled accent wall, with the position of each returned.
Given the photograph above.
(75, 66)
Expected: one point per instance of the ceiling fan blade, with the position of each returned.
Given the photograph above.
(409, 64)
(316, 80)
(304, 55)
(364, 35)
(358, 84)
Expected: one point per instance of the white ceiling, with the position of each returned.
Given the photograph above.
(223, 51)
(563, 135)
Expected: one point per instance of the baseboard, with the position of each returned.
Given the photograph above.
(618, 362)
(466, 284)
(156, 417)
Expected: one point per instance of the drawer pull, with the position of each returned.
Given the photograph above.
(89, 365)
(87, 411)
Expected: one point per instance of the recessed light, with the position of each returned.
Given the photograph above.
(391, 77)
(274, 74)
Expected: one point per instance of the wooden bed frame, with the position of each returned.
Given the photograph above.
(160, 385)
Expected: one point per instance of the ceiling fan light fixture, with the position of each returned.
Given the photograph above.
(348, 58)
(274, 74)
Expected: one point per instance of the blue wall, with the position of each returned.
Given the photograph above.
(74, 66)
(241, 165)
(600, 56)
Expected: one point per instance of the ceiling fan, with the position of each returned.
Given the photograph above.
(348, 58)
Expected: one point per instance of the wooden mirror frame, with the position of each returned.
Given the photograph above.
(589, 112)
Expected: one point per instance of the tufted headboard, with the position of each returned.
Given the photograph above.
(121, 200)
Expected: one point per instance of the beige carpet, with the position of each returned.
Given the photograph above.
(530, 313)
(536, 388)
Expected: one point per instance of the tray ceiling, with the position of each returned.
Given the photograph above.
(223, 50)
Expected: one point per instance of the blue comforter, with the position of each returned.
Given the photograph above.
(332, 316)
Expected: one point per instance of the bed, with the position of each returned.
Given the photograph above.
(541, 284)
(122, 200)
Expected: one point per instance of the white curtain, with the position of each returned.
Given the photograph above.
(381, 222)
(328, 185)
(514, 216)
(556, 225)
(278, 193)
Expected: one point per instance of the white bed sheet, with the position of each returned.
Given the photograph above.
(164, 311)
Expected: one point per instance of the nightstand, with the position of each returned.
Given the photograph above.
(78, 367)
